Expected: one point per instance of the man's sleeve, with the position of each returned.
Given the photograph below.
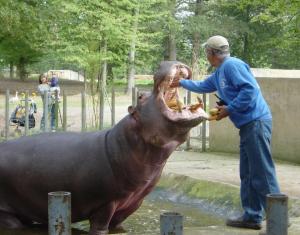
(243, 80)
(205, 86)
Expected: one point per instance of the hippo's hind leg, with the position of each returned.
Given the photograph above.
(100, 219)
(10, 221)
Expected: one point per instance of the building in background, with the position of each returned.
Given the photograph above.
(66, 74)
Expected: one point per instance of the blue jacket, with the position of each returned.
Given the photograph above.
(237, 86)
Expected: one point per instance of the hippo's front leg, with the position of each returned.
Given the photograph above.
(100, 219)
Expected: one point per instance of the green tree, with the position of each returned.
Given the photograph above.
(262, 32)
(23, 32)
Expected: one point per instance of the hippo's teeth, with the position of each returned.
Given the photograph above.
(200, 101)
(179, 105)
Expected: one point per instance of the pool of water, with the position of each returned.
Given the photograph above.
(145, 220)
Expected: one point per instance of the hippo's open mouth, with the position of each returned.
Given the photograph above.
(172, 107)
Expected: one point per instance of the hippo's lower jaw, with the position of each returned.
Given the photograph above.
(186, 116)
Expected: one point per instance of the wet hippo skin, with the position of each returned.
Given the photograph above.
(108, 172)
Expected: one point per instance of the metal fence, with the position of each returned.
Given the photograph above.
(75, 113)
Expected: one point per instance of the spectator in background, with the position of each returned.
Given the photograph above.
(42, 87)
(54, 88)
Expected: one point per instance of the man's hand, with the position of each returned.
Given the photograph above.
(222, 112)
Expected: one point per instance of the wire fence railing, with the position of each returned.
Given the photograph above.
(31, 114)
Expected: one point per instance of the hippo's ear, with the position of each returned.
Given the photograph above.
(131, 109)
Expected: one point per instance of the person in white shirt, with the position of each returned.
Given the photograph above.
(42, 87)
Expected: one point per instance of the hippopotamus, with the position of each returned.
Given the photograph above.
(108, 172)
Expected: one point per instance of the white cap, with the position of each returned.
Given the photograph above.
(217, 42)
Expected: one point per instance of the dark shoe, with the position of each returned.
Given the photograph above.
(241, 223)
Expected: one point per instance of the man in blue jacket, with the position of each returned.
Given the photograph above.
(249, 112)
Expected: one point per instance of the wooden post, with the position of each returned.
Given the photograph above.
(188, 101)
(64, 111)
(83, 111)
(7, 114)
(26, 113)
(189, 97)
(204, 126)
(46, 111)
(56, 109)
(113, 107)
(84, 80)
(134, 96)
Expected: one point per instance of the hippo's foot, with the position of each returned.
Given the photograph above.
(98, 232)
(117, 229)
(100, 219)
(10, 221)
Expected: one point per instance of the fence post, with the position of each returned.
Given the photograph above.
(64, 111)
(56, 109)
(171, 223)
(7, 114)
(134, 96)
(188, 102)
(204, 126)
(46, 111)
(277, 214)
(83, 111)
(113, 107)
(26, 113)
(59, 213)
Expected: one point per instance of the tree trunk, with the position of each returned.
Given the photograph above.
(246, 49)
(170, 39)
(84, 80)
(172, 45)
(11, 70)
(103, 86)
(104, 66)
(131, 56)
(195, 56)
(21, 69)
(172, 31)
(196, 45)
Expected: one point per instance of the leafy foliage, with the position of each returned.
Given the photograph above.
(83, 34)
